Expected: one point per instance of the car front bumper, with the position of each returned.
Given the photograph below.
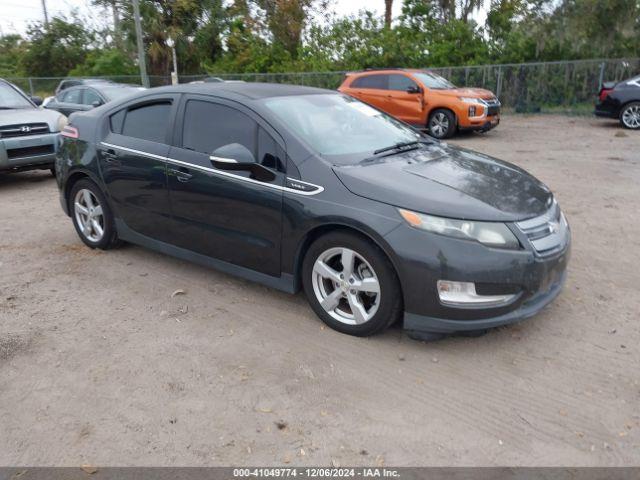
(481, 126)
(33, 151)
(423, 259)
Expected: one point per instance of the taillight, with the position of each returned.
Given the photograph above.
(70, 132)
(604, 93)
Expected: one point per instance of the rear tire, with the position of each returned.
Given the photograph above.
(351, 284)
(92, 215)
(441, 124)
(630, 116)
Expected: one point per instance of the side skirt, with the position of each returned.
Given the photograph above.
(285, 282)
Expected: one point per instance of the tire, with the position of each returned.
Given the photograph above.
(630, 116)
(96, 218)
(441, 124)
(352, 308)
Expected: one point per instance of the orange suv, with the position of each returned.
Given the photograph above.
(425, 100)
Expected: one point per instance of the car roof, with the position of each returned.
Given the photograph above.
(387, 70)
(251, 90)
(99, 86)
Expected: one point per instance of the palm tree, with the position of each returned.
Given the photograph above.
(388, 6)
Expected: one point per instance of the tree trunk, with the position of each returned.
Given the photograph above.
(388, 6)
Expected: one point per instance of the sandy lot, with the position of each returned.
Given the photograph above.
(100, 364)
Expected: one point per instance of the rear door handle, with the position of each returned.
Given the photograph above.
(181, 174)
(110, 155)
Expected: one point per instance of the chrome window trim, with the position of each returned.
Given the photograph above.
(318, 188)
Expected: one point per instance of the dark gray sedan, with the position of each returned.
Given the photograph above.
(86, 97)
(298, 187)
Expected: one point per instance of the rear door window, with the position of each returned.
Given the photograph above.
(379, 82)
(147, 122)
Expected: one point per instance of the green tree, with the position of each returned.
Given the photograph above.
(105, 62)
(12, 48)
(55, 50)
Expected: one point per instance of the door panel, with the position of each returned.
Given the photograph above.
(404, 105)
(132, 160)
(134, 172)
(228, 215)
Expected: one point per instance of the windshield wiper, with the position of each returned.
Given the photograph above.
(402, 145)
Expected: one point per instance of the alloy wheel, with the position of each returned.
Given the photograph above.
(346, 286)
(631, 116)
(439, 124)
(89, 215)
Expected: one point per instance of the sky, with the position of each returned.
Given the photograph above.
(15, 15)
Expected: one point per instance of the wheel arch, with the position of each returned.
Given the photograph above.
(74, 178)
(626, 104)
(321, 230)
(441, 107)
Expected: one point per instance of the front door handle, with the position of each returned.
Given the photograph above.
(181, 174)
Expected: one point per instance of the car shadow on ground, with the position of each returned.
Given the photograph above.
(17, 179)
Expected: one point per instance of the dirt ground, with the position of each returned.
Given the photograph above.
(100, 364)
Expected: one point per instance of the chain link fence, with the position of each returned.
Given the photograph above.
(564, 86)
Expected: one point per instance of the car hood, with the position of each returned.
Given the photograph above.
(450, 182)
(18, 116)
(468, 92)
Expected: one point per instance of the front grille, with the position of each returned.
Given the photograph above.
(29, 151)
(547, 233)
(23, 130)
(493, 106)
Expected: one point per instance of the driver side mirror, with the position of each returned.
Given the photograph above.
(414, 89)
(232, 157)
(95, 104)
(37, 100)
(238, 157)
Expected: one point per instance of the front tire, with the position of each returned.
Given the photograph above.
(441, 124)
(351, 284)
(92, 215)
(630, 116)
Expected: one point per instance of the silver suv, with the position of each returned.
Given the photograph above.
(28, 135)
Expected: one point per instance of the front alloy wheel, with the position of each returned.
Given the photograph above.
(630, 116)
(442, 124)
(351, 284)
(346, 286)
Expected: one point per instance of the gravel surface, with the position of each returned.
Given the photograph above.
(100, 364)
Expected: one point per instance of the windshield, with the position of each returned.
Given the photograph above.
(11, 98)
(431, 80)
(340, 128)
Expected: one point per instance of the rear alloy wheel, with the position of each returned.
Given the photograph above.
(351, 285)
(91, 215)
(630, 116)
(442, 124)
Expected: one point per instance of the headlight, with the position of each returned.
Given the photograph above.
(491, 234)
(61, 123)
(471, 100)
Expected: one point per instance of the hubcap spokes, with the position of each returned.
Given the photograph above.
(89, 215)
(631, 117)
(439, 124)
(346, 286)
